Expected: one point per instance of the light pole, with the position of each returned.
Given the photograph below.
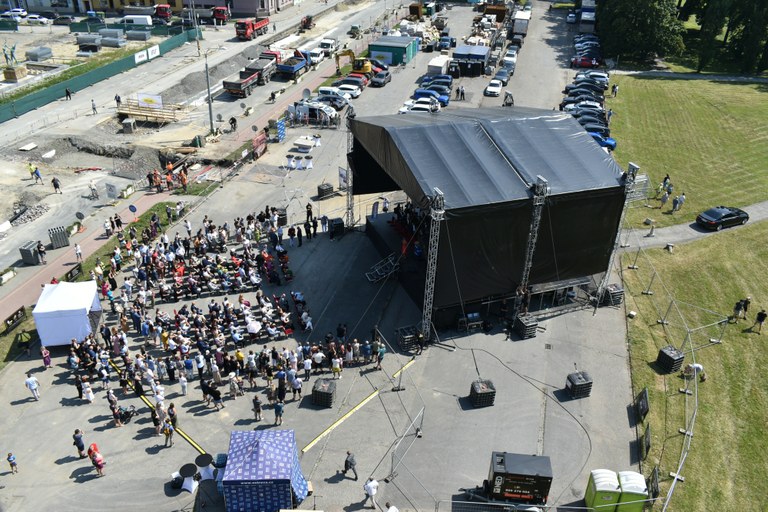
(210, 100)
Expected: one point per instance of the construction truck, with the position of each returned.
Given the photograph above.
(329, 46)
(359, 65)
(356, 32)
(211, 16)
(307, 23)
(162, 11)
(258, 72)
(247, 30)
(293, 67)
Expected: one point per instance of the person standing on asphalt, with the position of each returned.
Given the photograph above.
(56, 185)
(79, 443)
(118, 100)
(257, 407)
(33, 385)
(350, 464)
(12, 462)
(67, 94)
(371, 488)
(78, 253)
(279, 406)
(168, 430)
(309, 212)
(93, 107)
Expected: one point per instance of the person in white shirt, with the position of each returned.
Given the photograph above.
(33, 385)
(371, 488)
(391, 508)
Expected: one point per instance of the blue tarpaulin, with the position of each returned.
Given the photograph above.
(263, 472)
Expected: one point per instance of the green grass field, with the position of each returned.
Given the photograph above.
(725, 469)
(709, 136)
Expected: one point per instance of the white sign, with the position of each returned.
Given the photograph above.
(153, 51)
(140, 57)
(150, 100)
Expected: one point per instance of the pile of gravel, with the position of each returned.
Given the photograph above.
(32, 213)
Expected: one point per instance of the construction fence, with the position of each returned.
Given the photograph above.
(56, 91)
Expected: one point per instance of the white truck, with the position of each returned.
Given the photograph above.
(329, 46)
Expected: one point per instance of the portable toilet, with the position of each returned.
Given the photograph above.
(603, 490)
(634, 492)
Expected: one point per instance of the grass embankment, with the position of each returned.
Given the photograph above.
(709, 136)
(725, 469)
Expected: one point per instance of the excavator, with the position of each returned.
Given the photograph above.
(359, 65)
(307, 23)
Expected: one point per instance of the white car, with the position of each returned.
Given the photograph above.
(353, 90)
(584, 104)
(571, 18)
(18, 11)
(493, 88)
(9, 16)
(36, 19)
(416, 108)
(431, 103)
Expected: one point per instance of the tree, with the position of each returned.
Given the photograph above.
(640, 28)
(712, 21)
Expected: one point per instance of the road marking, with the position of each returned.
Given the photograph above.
(339, 421)
(409, 363)
(149, 404)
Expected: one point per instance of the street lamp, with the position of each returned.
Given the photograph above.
(210, 99)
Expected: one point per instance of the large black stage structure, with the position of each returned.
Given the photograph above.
(485, 163)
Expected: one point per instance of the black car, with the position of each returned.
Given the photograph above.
(63, 20)
(585, 120)
(603, 84)
(581, 97)
(583, 91)
(596, 88)
(721, 217)
(502, 76)
(578, 113)
(443, 90)
(379, 64)
(597, 128)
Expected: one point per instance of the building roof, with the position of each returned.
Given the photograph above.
(394, 41)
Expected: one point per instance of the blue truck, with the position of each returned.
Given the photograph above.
(293, 67)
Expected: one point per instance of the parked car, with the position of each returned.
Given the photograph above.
(583, 91)
(379, 64)
(349, 80)
(585, 37)
(440, 89)
(429, 78)
(353, 90)
(493, 88)
(586, 44)
(36, 19)
(571, 18)
(503, 76)
(94, 20)
(441, 81)
(416, 108)
(594, 75)
(381, 79)
(578, 113)
(584, 86)
(603, 84)
(9, 16)
(582, 61)
(605, 142)
(335, 102)
(721, 217)
(18, 11)
(432, 103)
(424, 93)
(591, 105)
(598, 128)
(63, 20)
(362, 77)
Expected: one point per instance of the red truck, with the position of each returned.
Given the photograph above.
(246, 30)
(156, 11)
(259, 72)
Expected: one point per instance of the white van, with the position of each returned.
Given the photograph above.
(333, 91)
(137, 19)
(316, 56)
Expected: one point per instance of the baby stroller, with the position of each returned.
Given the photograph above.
(126, 413)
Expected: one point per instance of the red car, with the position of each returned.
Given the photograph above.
(584, 62)
(362, 77)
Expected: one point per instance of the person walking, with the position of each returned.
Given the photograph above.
(12, 462)
(38, 176)
(371, 487)
(296, 385)
(760, 320)
(279, 406)
(745, 306)
(78, 253)
(350, 464)
(274, 27)
(118, 100)
(41, 251)
(615, 90)
(56, 185)
(93, 107)
(78, 443)
(33, 385)
(98, 462)
(79, 386)
(299, 234)
(681, 202)
(168, 430)
(664, 199)
(67, 94)
(309, 212)
(88, 391)
(46, 355)
(388, 506)
(675, 204)
(462, 93)
(173, 415)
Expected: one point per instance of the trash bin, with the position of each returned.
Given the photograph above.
(59, 237)
(324, 190)
(336, 228)
(29, 254)
(129, 125)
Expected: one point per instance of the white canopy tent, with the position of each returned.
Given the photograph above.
(65, 311)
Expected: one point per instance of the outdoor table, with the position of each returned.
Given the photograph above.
(187, 472)
(299, 163)
(308, 165)
(304, 144)
(203, 461)
(317, 138)
(289, 161)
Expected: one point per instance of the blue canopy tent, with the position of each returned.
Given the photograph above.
(263, 473)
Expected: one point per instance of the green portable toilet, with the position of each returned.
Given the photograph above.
(634, 492)
(603, 490)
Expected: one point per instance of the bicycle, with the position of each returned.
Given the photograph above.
(94, 193)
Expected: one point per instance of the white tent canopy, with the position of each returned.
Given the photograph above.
(65, 310)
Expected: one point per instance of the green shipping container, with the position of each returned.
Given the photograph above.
(603, 490)
(634, 492)
(394, 50)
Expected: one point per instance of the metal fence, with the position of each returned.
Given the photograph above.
(55, 91)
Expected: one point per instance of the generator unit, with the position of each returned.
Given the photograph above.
(519, 478)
